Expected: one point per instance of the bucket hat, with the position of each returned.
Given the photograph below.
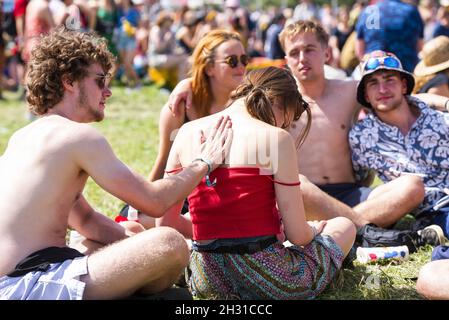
(381, 60)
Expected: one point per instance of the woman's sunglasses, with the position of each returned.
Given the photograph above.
(390, 62)
(233, 60)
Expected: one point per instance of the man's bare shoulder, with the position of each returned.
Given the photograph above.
(342, 84)
(58, 129)
(343, 92)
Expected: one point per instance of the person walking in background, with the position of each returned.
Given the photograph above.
(38, 21)
(393, 26)
(273, 49)
(442, 24)
(127, 40)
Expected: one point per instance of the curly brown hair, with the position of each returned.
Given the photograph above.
(62, 54)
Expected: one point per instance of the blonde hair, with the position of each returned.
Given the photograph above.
(303, 26)
(262, 88)
(202, 57)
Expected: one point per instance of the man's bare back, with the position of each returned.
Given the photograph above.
(38, 207)
(325, 155)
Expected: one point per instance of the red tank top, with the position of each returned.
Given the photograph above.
(242, 204)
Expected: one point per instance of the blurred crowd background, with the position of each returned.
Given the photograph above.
(153, 39)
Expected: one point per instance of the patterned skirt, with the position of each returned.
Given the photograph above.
(276, 272)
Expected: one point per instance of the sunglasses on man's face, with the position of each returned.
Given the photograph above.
(233, 60)
(101, 79)
(388, 61)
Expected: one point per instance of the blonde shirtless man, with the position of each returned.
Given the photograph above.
(325, 155)
(44, 170)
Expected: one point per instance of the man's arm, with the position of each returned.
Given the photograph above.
(94, 225)
(173, 218)
(95, 156)
(434, 101)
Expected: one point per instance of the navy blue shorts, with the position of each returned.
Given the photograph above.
(349, 193)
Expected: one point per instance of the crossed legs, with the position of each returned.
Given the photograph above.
(389, 202)
(385, 205)
(150, 261)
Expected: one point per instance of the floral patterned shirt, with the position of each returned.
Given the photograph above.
(424, 151)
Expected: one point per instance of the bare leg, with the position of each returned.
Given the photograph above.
(342, 230)
(88, 246)
(151, 260)
(389, 202)
(433, 280)
(321, 206)
(127, 61)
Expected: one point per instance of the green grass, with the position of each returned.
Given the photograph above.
(131, 128)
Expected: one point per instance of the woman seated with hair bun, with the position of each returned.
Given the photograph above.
(238, 210)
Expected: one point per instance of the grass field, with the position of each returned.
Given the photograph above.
(131, 128)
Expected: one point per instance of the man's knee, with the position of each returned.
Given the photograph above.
(176, 248)
(414, 187)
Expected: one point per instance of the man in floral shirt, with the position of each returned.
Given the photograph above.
(401, 135)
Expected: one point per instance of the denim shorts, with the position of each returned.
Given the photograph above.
(60, 282)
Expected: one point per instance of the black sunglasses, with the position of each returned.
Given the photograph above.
(233, 60)
(101, 79)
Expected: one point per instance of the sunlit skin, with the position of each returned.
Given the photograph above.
(306, 57)
(93, 92)
(221, 75)
(332, 105)
(385, 90)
